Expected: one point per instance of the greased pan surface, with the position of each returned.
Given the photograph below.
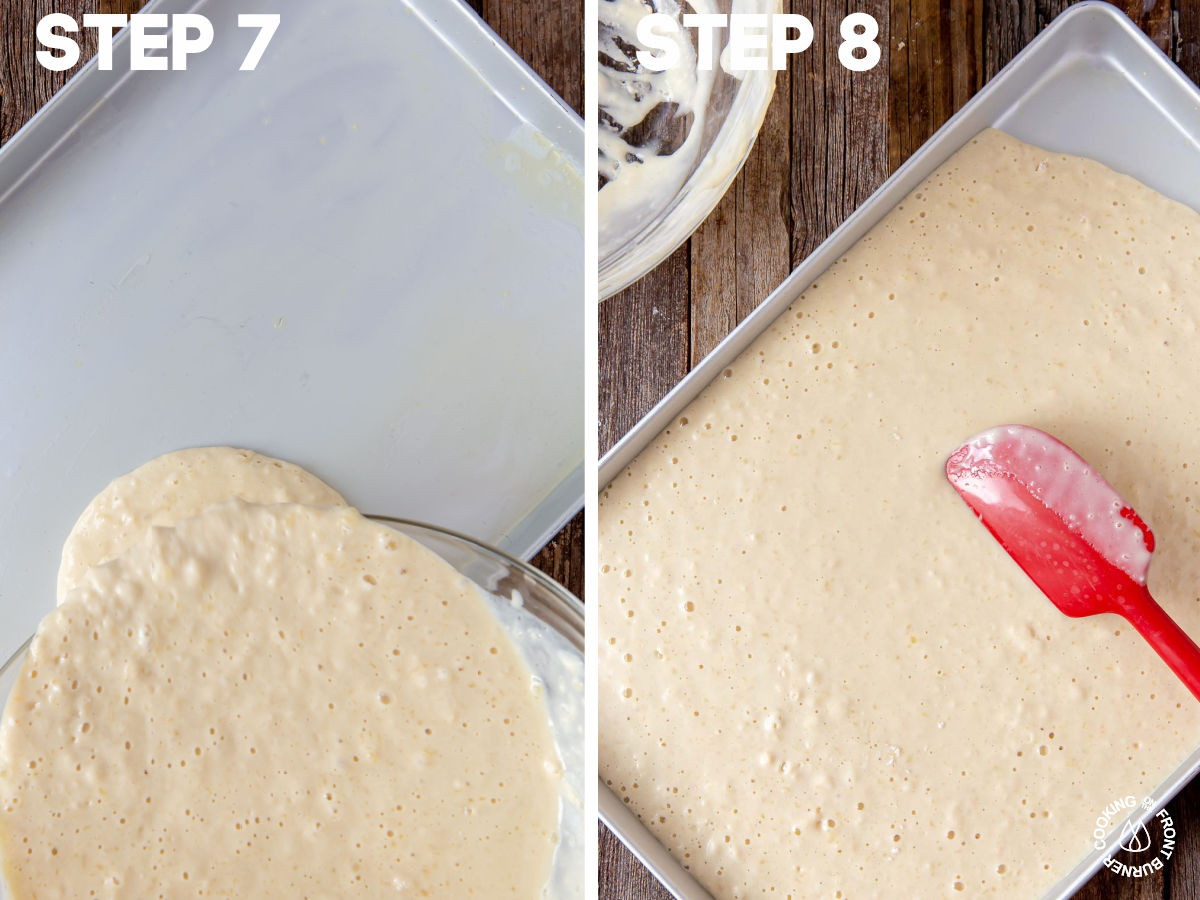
(1092, 85)
(365, 256)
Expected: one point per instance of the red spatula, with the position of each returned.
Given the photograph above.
(1070, 531)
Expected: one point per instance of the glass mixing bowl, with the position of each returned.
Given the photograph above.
(670, 143)
(545, 621)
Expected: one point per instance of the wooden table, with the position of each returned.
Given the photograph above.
(550, 40)
(830, 138)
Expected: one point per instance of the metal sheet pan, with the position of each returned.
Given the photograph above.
(366, 256)
(1092, 85)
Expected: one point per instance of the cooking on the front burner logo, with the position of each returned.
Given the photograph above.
(1151, 840)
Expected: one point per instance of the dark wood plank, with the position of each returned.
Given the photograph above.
(936, 66)
(1008, 25)
(1187, 39)
(24, 85)
(1183, 871)
(562, 558)
(839, 138)
(1153, 17)
(742, 249)
(548, 36)
(1107, 886)
(644, 331)
(622, 877)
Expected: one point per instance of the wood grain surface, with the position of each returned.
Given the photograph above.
(549, 38)
(830, 138)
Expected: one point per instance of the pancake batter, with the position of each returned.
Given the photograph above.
(177, 486)
(276, 701)
(820, 677)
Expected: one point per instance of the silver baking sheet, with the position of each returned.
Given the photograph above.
(366, 256)
(1091, 84)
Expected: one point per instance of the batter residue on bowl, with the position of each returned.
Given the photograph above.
(651, 123)
(820, 677)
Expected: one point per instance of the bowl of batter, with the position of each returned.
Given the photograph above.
(670, 143)
(282, 698)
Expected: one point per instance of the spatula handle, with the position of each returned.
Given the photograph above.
(1169, 640)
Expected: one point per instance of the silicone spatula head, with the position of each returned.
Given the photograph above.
(1070, 531)
(1065, 526)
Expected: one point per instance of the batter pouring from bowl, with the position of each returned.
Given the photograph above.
(280, 700)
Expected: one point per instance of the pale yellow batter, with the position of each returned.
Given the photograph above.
(176, 486)
(276, 701)
(820, 675)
